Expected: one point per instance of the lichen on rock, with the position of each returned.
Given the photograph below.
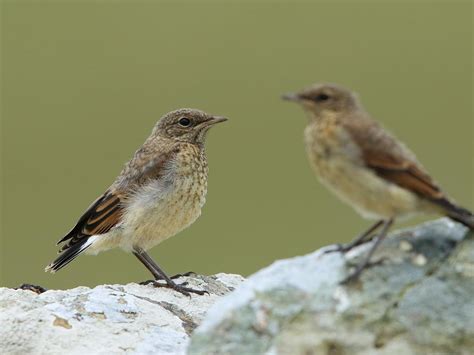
(418, 301)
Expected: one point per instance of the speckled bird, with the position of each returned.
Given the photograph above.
(366, 166)
(160, 192)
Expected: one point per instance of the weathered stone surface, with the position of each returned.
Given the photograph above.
(419, 301)
(108, 319)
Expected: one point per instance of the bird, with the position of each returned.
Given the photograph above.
(366, 166)
(158, 193)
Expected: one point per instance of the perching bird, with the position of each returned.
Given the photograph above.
(367, 167)
(160, 191)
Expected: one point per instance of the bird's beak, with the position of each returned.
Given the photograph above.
(291, 97)
(216, 119)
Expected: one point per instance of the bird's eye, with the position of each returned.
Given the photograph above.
(321, 97)
(184, 121)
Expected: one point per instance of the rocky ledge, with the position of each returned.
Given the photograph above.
(418, 300)
(107, 319)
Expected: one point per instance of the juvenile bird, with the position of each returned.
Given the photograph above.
(366, 166)
(159, 192)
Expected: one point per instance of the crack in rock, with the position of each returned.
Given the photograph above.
(188, 324)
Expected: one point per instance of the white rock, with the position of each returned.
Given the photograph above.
(108, 319)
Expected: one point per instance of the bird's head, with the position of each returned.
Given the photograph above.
(186, 125)
(321, 99)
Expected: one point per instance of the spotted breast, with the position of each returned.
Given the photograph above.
(164, 207)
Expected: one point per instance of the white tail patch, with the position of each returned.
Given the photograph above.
(69, 255)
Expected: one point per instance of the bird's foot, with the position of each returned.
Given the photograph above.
(344, 248)
(366, 263)
(181, 288)
(363, 238)
(147, 282)
(337, 248)
(177, 276)
(185, 290)
(359, 269)
(33, 288)
(354, 276)
(155, 283)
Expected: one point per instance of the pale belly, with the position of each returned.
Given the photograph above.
(339, 167)
(153, 215)
(151, 221)
(368, 194)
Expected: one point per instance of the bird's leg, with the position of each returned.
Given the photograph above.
(156, 275)
(361, 239)
(366, 262)
(159, 274)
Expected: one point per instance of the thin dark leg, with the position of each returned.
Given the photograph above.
(365, 263)
(361, 239)
(144, 261)
(155, 274)
(159, 274)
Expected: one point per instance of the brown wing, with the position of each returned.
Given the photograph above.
(403, 173)
(99, 218)
(391, 159)
(106, 212)
(408, 174)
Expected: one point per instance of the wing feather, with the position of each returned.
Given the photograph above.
(99, 218)
(391, 160)
(106, 212)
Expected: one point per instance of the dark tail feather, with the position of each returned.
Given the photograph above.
(459, 214)
(466, 219)
(67, 256)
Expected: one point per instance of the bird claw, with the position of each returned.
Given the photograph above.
(344, 248)
(147, 282)
(355, 275)
(177, 276)
(337, 248)
(349, 279)
(177, 287)
(186, 290)
(341, 248)
(186, 274)
(34, 288)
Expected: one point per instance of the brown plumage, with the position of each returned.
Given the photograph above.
(365, 165)
(159, 192)
(99, 218)
(392, 161)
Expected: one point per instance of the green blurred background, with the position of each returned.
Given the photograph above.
(83, 83)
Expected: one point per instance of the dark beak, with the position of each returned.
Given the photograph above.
(216, 119)
(211, 121)
(291, 97)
